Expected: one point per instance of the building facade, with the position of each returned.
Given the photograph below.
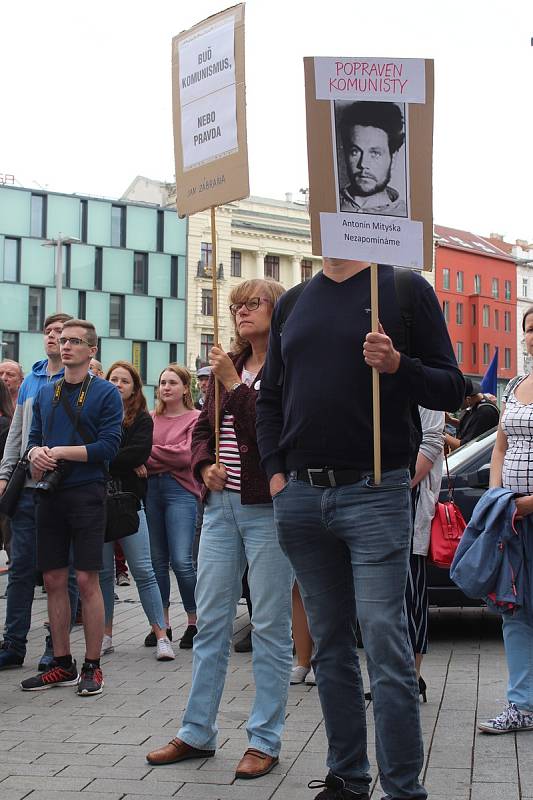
(123, 268)
(475, 281)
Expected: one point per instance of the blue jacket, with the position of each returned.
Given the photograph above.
(101, 418)
(489, 563)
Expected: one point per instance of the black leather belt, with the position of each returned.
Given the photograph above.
(328, 478)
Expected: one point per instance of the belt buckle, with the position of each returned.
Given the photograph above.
(330, 476)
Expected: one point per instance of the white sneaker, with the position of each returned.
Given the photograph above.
(107, 645)
(310, 678)
(164, 651)
(298, 674)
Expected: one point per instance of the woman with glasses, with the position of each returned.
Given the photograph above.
(135, 448)
(238, 529)
(172, 495)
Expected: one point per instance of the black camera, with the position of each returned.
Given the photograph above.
(52, 478)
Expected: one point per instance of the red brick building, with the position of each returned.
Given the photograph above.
(475, 281)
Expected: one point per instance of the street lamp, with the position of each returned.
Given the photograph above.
(58, 244)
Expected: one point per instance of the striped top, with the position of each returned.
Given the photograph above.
(229, 447)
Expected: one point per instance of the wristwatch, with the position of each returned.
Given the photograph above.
(235, 386)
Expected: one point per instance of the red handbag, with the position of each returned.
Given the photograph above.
(447, 527)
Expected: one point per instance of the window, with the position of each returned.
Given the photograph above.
(206, 255)
(460, 281)
(158, 318)
(84, 210)
(116, 315)
(445, 278)
(524, 287)
(140, 273)
(160, 231)
(138, 358)
(306, 270)
(474, 353)
(118, 226)
(507, 290)
(486, 316)
(65, 264)
(496, 320)
(459, 352)
(459, 314)
(36, 309)
(272, 267)
(10, 340)
(173, 276)
(82, 305)
(172, 353)
(477, 284)
(507, 358)
(207, 341)
(207, 302)
(446, 310)
(98, 261)
(486, 354)
(507, 321)
(474, 315)
(38, 215)
(495, 288)
(12, 260)
(235, 269)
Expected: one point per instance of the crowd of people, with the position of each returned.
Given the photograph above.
(275, 485)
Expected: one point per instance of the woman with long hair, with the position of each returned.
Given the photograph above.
(135, 448)
(238, 529)
(172, 494)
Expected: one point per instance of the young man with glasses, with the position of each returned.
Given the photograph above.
(22, 567)
(76, 429)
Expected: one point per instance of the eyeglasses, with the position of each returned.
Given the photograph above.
(252, 304)
(74, 340)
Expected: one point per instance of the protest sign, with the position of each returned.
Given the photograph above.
(369, 141)
(209, 112)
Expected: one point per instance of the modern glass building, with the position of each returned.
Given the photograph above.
(123, 268)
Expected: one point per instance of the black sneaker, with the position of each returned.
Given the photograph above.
(9, 657)
(91, 680)
(151, 641)
(335, 789)
(55, 676)
(187, 638)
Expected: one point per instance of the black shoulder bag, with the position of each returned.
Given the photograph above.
(122, 508)
(11, 496)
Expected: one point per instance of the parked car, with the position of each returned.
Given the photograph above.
(469, 473)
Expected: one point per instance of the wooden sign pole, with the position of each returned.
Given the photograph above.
(376, 415)
(215, 328)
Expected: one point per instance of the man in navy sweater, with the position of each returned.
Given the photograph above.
(348, 538)
(75, 431)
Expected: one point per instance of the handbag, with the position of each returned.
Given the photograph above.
(11, 496)
(122, 512)
(447, 528)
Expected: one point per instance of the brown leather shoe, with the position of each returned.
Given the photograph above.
(176, 750)
(254, 764)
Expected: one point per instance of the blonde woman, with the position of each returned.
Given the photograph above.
(172, 495)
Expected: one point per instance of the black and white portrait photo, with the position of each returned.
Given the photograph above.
(371, 154)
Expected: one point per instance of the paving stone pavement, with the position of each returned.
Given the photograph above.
(55, 745)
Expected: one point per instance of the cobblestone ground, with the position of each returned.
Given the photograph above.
(57, 746)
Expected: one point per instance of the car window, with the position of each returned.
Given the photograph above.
(474, 454)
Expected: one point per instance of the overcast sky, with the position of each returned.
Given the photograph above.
(86, 93)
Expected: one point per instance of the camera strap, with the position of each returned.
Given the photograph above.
(59, 397)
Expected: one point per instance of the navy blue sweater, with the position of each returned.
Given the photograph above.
(315, 402)
(101, 418)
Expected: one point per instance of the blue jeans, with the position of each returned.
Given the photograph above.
(22, 573)
(232, 536)
(171, 516)
(349, 547)
(518, 640)
(137, 551)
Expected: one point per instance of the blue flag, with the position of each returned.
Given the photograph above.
(489, 382)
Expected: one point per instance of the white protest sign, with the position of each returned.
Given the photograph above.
(208, 97)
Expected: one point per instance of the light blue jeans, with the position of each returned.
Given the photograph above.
(232, 536)
(518, 640)
(171, 516)
(137, 551)
(349, 547)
